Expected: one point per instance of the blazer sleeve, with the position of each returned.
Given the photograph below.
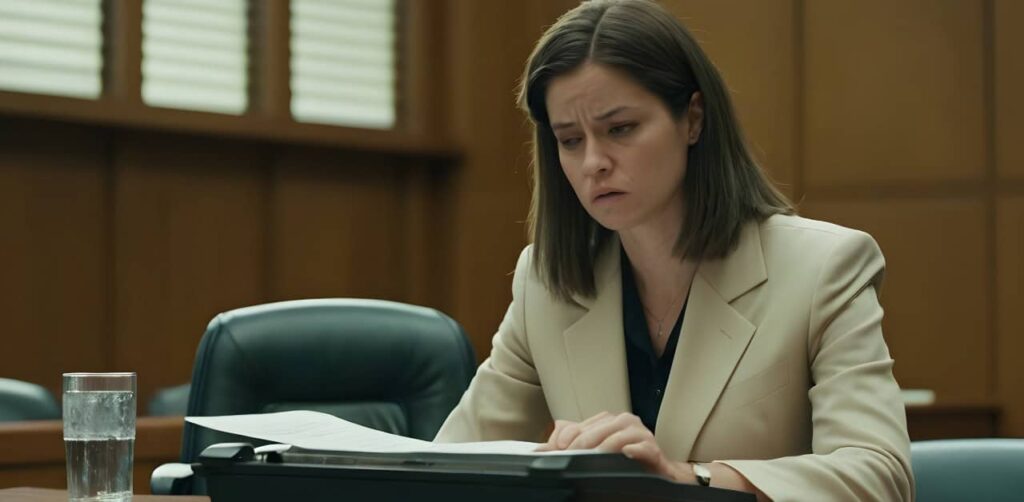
(860, 447)
(504, 399)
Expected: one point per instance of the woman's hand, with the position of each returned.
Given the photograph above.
(623, 433)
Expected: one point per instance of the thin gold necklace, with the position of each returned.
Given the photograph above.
(661, 322)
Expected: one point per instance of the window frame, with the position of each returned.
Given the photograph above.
(419, 125)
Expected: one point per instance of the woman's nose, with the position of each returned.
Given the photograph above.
(595, 158)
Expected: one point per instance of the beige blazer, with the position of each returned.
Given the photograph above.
(780, 371)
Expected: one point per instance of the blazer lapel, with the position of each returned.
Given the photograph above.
(713, 338)
(595, 344)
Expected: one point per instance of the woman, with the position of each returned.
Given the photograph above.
(671, 307)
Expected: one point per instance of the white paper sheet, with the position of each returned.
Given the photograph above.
(320, 431)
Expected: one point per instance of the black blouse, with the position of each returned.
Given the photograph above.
(648, 373)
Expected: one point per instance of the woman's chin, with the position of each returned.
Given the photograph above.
(613, 224)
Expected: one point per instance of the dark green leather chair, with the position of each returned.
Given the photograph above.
(959, 470)
(169, 402)
(26, 401)
(390, 366)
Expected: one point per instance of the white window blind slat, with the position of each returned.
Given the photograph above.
(183, 54)
(195, 55)
(186, 16)
(341, 7)
(345, 16)
(192, 97)
(343, 62)
(182, 72)
(228, 8)
(75, 59)
(355, 33)
(158, 32)
(347, 113)
(58, 11)
(48, 81)
(350, 72)
(41, 31)
(315, 49)
(52, 47)
(365, 94)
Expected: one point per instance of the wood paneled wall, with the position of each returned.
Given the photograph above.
(119, 246)
(488, 46)
(1007, 184)
(899, 118)
(903, 119)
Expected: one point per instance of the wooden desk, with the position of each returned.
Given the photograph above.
(953, 420)
(51, 495)
(33, 452)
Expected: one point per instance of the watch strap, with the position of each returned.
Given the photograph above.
(702, 473)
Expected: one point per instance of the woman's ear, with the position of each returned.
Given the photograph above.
(695, 117)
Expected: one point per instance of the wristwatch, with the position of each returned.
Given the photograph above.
(702, 473)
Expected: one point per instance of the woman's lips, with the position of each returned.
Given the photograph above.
(608, 197)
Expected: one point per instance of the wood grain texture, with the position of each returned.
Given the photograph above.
(754, 46)
(337, 227)
(1010, 303)
(935, 293)
(488, 46)
(1008, 17)
(894, 91)
(34, 451)
(953, 422)
(53, 260)
(188, 244)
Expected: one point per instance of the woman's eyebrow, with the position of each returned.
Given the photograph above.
(600, 118)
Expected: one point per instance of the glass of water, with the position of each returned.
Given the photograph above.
(99, 435)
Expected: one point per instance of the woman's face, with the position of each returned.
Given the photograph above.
(620, 148)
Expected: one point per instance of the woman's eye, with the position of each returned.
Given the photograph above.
(569, 142)
(622, 129)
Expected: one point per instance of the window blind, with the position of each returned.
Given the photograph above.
(52, 47)
(343, 62)
(195, 55)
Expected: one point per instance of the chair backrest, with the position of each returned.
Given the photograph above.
(968, 469)
(26, 401)
(169, 402)
(390, 366)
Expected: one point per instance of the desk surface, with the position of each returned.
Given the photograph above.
(33, 452)
(49, 495)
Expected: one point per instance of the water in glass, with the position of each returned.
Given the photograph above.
(99, 438)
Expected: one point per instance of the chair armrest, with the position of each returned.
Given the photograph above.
(171, 479)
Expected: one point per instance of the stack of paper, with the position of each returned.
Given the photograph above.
(313, 430)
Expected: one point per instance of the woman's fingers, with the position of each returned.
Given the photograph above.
(644, 452)
(617, 441)
(594, 431)
(624, 433)
(596, 418)
(650, 454)
(571, 432)
(597, 432)
(550, 444)
(566, 435)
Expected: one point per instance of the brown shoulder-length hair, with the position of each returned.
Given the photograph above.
(724, 188)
